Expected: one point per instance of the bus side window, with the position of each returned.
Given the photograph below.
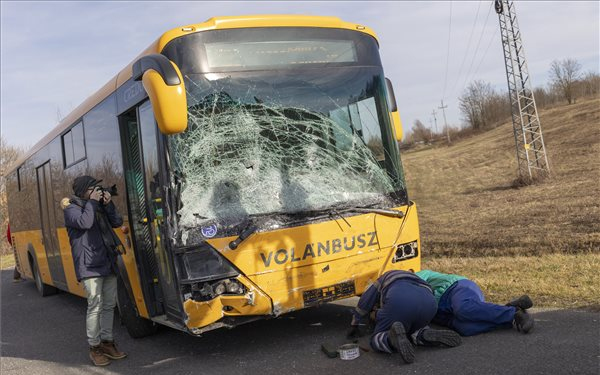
(20, 181)
(73, 145)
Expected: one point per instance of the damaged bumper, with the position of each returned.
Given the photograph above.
(204, 315)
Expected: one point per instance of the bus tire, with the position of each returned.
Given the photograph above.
(136, 326)
(44, 289)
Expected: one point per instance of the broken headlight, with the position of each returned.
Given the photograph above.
(204, 264)
(206, 274)
(205, 291)
(406, 251)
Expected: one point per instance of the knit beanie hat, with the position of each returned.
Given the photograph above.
(82, 183)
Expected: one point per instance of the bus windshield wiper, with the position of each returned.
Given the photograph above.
(380, 211)
(334, 211)
(250, 230)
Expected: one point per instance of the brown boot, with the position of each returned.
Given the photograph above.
(110, 350)
(97, 357)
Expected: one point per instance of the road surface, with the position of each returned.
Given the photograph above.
(47, 336)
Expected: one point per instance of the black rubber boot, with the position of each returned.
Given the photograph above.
(400, 343)
(523, 302)
(439, 337)
(523, 321)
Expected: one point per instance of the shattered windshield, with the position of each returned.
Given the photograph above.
(284, 141)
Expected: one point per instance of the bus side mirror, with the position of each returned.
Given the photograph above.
(163, 82)
(395, 116)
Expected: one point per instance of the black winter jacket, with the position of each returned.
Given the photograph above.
(93, 252)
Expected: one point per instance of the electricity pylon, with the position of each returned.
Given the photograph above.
(531, 153)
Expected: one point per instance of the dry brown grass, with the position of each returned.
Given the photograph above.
(7, 261)
(542, 239)
(553, 280)
(468, 205)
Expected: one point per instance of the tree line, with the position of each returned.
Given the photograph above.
(8, 156)
(482, 107)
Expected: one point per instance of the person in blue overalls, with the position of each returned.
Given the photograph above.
(462, 307)
(406, 305)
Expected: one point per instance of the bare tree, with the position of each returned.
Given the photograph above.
(472, 103)
(543, 98)
(420, 133)
(590, 84)
(482, 107)
(564, 75)
(8, 155)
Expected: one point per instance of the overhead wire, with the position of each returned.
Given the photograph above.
(447, 53)
(468, 49)
(477, 47)
(486, 51)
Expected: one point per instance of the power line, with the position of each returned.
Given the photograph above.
(477, 47)
(486, 51)
(468, 48)
(448, 52)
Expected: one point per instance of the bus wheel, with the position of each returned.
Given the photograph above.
(43, 289)
(136, 326)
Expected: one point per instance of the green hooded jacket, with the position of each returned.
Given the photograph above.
(440, 282)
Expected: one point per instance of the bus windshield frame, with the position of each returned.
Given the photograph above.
(269, 136)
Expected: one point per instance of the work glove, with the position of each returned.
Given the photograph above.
(356, 331)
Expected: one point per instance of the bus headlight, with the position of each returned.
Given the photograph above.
(219, 288)
(234, 287)
(205, 291)
(406, 251)
(204, 264)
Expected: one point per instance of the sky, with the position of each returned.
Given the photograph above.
(56, 54)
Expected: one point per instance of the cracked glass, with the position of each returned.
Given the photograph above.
(284, 139)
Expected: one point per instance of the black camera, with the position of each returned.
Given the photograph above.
(111, 190)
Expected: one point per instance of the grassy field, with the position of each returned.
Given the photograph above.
(468, 207)
(542, 239)
(552, 280)
(7, 261)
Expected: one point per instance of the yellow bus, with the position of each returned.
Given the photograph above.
(257, 168)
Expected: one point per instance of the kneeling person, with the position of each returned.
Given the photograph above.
(406, 306)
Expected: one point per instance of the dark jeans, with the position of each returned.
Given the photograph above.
(406, 302)
(463, 308)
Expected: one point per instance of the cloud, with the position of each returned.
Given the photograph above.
(55, 54)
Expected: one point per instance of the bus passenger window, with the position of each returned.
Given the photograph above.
(73, 145)
(20, 179)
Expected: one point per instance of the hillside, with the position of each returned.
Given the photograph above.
(468, 207)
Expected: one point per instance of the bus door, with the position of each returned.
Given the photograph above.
(48, 219)
(144, 196)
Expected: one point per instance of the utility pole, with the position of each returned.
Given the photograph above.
(531, 152)
(434, 119)
(443, 107)
(430, 131)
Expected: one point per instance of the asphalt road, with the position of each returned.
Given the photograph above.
(47, 336)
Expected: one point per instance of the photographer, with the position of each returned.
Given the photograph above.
(89, 217)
